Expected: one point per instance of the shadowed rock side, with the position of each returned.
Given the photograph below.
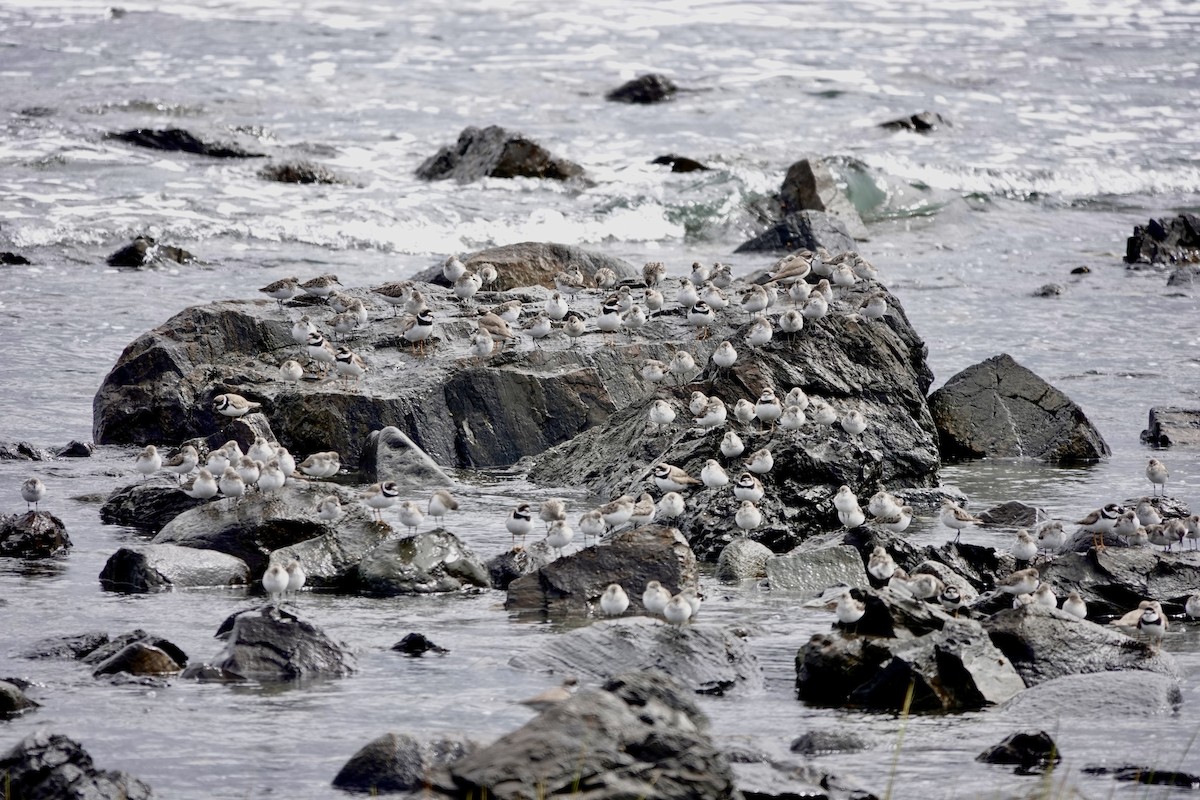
(397, 763)
(51, 765)
(802, 230)
(639, 736)
(494, 152)
(1165, 241)
(877, 368)
(998, 408)
(271, 644)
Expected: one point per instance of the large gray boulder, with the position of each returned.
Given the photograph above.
(494, 152)
(950, 663)
(397, 763)
(390, 455)
(51, 766)
(810, 186)
(572, 585)
(141, 568)
(142, 657)
(810, 570)
(640, 736)
(998, 408)
(34, 534)
(1114, 580)
(802, 230)
(429, 562)
(1171, 426)
(252, 527)
(526, 264)
(743, 559)
(272, 644)
(1046, 643)
(1125, 694)
(704, 658)
(878, 369)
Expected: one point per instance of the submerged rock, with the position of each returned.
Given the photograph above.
(810, 186)
(163, 567)
(75, 449)
(51, 765)
(644, 736)
(1149, 776)
(1093, 695)
(802, 230)
(13, 701)
(1165, 241)
(397, 763)
(921, 122)
(1173, 427)
(434, 561)
(572, 584)
(272, 644)
(1032, 753)
(820, 742)
(494, 152)
(34, 534)
(22, 451)
(743, 559)
(142, 658)
(1013, 514)
(13, 259)
(76, 646)
(998, 408)
(416, 645)
(704, 658)
(146, 252)
(120, 644)
(178, 140)
(300, 172)
(679, 163)
(1046, 643)
(644, 90)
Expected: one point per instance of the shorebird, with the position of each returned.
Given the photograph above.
(614, 602)
(1156, 473)
(954, 517)
(32, 492)
(881, 565)
(655, 598)
(148, 461)
(1100, 522)
(275, 581)
(1074, 605)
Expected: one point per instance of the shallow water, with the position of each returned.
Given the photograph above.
(1070, 125)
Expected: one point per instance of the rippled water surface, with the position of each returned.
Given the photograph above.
(1071, 122)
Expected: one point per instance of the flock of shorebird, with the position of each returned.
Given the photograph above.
(700, 296)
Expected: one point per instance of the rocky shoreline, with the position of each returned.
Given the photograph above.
(579, 411)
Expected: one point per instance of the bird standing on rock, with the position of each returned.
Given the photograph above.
(614, 602)
(148, 461)
(32, 492)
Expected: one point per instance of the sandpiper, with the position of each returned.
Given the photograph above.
(748, 517)
(148, 461)
(955, 518)
(881, 565)
(183, 462)
(1025, 548)
(559, 536)
(732, 445)
(1023, 581)
(441, 503)
(296, 576)
(591, 524)
(760, 461)
(275, 581)
(1074, 605)
(32, 492)
(203, 486)
(655, 598)
(713, 474)
(671, 505)
(614, 602)
(1156, 473)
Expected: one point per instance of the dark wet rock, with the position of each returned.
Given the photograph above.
(417, 644)
(825, 741)
(494, 152)
(810, 186)
(1049, 290)
(1165, 241)
(163, 567)
(743, 559)
(1046, 643)
(397, 763)
(272, 644)
(1032, 753)
(76, 646)
(252, 527)
(799, 230)
(243, 430)
(680, 163)
(1184, 276)
(146, 252)
(777, 780)
(75, 449)
(573, 583)
(1114, 580)
(705, 659)
(645, 736)
(389, 455)
(1013, 514)
(528, 264)
(22, 451)
(644, 89)
(434, 561)
(34, 534)
(147, 505)
(921, 122)
(117, 644)
(998, 408)
(810, 570)
(1173, 427)
(13, 259)
(51, 766)
(1121, 695)
(299, 172)
(950, 663)
(140, 658)
(504, 568)
(865, 538)
(878, 369)
(178, 140)
(1149, 776)
(1083, 270)
(13, 701)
